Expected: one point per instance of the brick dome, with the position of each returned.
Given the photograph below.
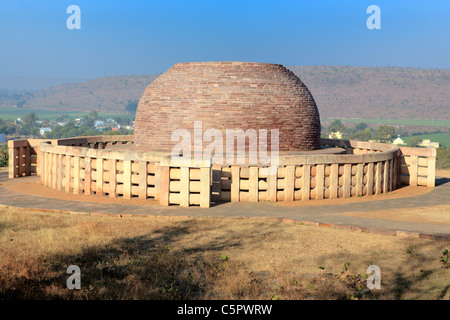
(228, 95)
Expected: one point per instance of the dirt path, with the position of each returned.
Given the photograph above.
(411, 211)
(32, 186)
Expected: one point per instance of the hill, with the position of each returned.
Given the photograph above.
(340, 92)
(106, 94)
(374, 92)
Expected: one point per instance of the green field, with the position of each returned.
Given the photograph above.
(407, 122)
(442, 138)
(14, 113)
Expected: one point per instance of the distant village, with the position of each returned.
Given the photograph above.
(30, 126)
(100, 125)
(382, 133)
(397, 141)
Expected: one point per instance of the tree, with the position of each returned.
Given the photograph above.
(4, 155)
(7, 127)
(414, 142)
(30, 119)
(131, 106)
(442, 158)
(28, 127)
(122, 120)
(336, 126)
(364, 135)
(89, 119)
(93, 115)
(361, 126)
(385, 134)
(20, 103)
(90, 132)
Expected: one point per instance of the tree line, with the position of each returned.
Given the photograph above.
(28, 127)
(384, 134)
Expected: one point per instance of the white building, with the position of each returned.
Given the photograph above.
(99, 123)
(399, 141)
(335, 135)
(44, 130)
(427, 143)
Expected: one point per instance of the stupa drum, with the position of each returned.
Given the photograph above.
(228, 95)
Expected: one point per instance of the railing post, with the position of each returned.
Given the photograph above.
(205, 189)
(143, 172)
(188, 190)
(112, 163)
(12, 160)
(164, 190)
(27, 160)
(413, 167)
(431, 174)
(235, 183)
(87, 176)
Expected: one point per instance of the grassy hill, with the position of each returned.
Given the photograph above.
(374, 92)
(107, 94)
(340, 92)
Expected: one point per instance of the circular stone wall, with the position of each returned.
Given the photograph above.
(228, 95)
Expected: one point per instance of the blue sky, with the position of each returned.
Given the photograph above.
(142, 37)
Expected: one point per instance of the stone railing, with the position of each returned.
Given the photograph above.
(98, 171)
(185, 185)
(83, 166)
(24, 157)
(371, 169)
(96, 142)
(417, 166)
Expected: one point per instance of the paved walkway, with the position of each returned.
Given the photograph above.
(326, 215)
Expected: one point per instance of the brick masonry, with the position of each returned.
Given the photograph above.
(228, 95)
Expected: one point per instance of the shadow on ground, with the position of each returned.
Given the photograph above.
(155, 267)
(441, 181)
(416, 275)
(141, 267)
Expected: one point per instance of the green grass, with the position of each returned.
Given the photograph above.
(14, 113)
(408, 122)
(442, 138)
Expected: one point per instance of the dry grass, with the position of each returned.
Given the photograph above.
(184, 258)
(443, 173)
